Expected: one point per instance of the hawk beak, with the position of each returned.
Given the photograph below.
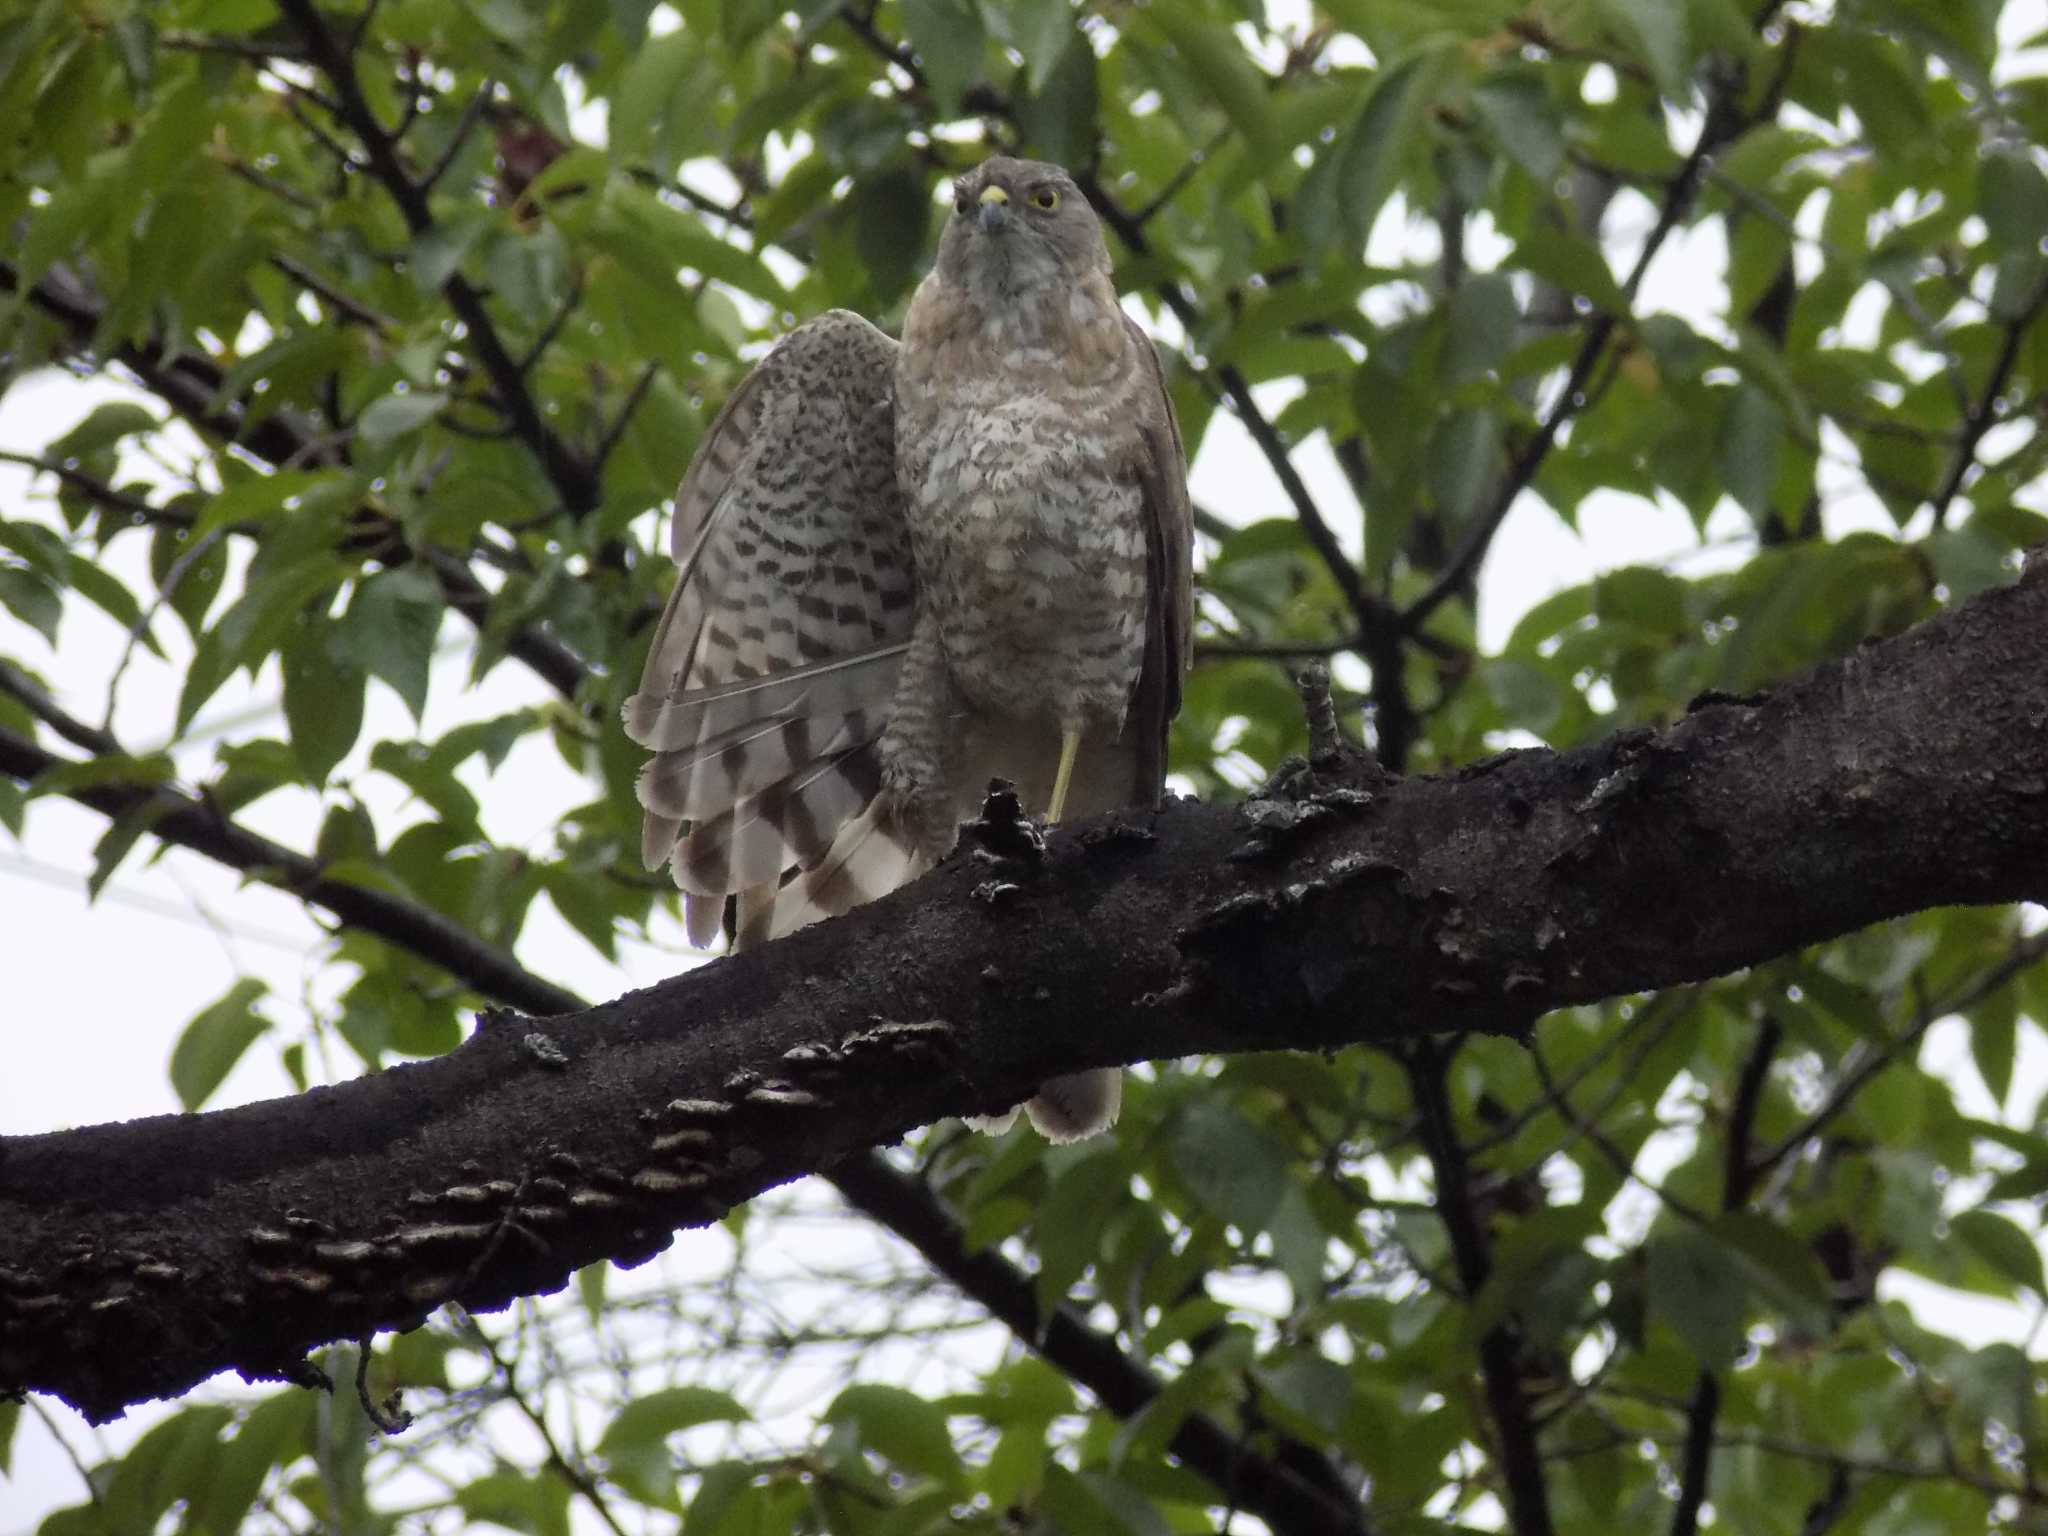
(995, 210)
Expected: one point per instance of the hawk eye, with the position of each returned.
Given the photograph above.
(1045, 198)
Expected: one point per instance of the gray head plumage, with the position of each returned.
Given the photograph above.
(1019, 226)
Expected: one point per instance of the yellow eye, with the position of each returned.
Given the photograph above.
(1045, 198)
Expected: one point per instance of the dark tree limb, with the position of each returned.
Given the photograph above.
(137, 1259)
(1290, 1503)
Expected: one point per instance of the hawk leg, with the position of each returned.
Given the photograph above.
(1070, 748)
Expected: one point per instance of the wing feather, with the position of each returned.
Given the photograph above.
(1169, 576)
(769, 675)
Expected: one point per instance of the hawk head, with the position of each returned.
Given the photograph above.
(1019, 227)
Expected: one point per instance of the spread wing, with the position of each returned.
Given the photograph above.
(769, 678)
(1169, 576)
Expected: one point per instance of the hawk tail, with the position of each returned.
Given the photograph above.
(1078, 1106)
(871, 856)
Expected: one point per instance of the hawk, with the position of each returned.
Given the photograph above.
(908, 569)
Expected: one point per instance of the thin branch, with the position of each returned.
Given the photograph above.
(16, 685)
(574, 480)
(617, 429)
(572, 1474)
(472, 114)
(1984, 414)
(1516, 1451)
(1295, 1492)
(1723, 125)
(342, 303)
(1738, 1178)
(190, 822)
(1864, 1060)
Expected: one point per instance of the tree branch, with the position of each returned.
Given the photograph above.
(1738, 1177)
(1724, 124)
(574, 478)
(137, 1259)
(1274, 1490)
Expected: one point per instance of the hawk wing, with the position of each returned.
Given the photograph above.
(770, 674)
(1162, 469)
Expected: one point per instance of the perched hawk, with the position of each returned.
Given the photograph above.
(909, 569)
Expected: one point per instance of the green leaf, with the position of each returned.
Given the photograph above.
(1481, 325)
(214, 1041)
(1040, 30)
(1778, 1267)
(102, 428)
(28, 595)
(2012, 195)
(1353, 178)
(122, 833)
(1994, 1042)
(390, 417)
(438, 249)
(1657, 32)
(1747, 449)
(1694, 1285)
(10, 1415)
(903, 1428)
(949, 40)
(1522, 120)
(1232, 1166)
(635, 1444)
(891, 213)
(1057, 119)
(323, 700)
(536, 1504)
(2003, 1245)
(1569, 262)
(388, 631)
(1219, 64)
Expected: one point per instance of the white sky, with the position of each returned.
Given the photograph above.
(100, 991)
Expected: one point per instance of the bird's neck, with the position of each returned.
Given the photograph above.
(968, 328)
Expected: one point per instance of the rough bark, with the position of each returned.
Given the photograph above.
(137, 1259)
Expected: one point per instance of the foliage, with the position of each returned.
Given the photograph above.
(447, 292)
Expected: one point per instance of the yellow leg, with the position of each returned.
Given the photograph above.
(1070, 748)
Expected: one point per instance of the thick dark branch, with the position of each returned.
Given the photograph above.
(137, 1259)
(1278, 1492)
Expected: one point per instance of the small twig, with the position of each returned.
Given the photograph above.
(464, 126)
(1722, 127)
(554, 326)
(345, 304)
(144, 619)
(1619, 1160)
(389, 1417)
(617, 430)
(1864, 1060)
(17, 686)
(578, 1479)
(1325, 741)
(1190, 168)
(1983, 414)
